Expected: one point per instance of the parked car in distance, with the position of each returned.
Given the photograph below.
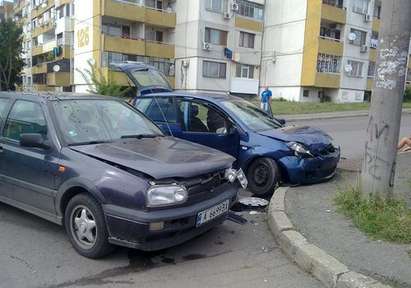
(108, 174)
(268, 151)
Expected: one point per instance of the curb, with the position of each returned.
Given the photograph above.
(331, 115)
(327, 269)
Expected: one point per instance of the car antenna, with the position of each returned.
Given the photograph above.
(164, 116)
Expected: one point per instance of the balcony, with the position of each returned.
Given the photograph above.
(330, 46)
(373, 55)
(376, 23)
(158, 49)
(160, 18)
(39, 68)
(248, 24)
(62, 2)
(370, 84)
(58, 79)
(333, 13)
(327, 80)
(37, 50)
(42, 88)
(41, 9)
(120, 78)
(124, 45)
(43, 28)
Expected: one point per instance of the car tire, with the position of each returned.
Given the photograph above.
(263, 177)
(86, 228)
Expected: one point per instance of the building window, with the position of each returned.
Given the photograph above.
(328, 63)
(156, 4)
(244, 71)
(355, 69)
(250, 9)
(214, 69)
(330, 31)
(371, 69)
(377, 11)
(214, 36)
(360, 37)
(306, 93)
(337, 3)
(360, 6)
(374, 40)
(214, 5)
(247, 40)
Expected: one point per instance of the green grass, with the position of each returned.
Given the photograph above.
(388, 220)
(286, 107)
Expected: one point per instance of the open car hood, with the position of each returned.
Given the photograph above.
(161, 157)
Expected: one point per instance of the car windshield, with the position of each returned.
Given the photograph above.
(149, 78)
(252, 117)
(87, 121)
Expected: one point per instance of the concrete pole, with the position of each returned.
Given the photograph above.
(378, 169)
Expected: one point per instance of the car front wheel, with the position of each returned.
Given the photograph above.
(263, 177)
(86, 228)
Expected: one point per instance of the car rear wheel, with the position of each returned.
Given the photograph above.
(263, 177)
(86, 227)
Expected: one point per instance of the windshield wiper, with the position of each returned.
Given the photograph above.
(141, 136)
(89, 143)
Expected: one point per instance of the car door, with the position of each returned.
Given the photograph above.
(205, 124)
(4, 186)
(161, 110)
(30, 172)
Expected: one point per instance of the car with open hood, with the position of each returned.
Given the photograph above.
(107, 173)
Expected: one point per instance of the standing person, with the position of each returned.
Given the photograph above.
(266, 99)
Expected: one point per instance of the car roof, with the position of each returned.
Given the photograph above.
(213, 97)
(54, 96)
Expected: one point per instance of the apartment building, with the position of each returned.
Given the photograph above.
(112, 31)
(318, 50)
(218, 45)
(6, 10)
(61, 38)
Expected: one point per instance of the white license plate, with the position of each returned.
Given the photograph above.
(213, 212)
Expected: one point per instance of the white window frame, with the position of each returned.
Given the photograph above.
(220, 70)
(210, 6)
(360, 6)
(244, 40)
(356, 69)
(327, 63)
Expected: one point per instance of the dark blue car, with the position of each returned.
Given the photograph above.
(269, 152)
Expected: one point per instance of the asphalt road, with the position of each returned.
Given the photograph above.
(36, 253)
(350, 132)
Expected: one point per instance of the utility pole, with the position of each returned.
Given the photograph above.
(378, 169)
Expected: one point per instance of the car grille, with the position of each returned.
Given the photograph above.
(203, 187)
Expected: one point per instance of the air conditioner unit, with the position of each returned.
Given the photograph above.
(367, 18)
(364, 48)
(206, 46)
(227, 15)
(235, 7)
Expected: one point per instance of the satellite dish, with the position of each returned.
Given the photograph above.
(352, 36)
(56, 68)
(348, 68)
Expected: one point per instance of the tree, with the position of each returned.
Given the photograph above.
(11, 63)
(99, 84)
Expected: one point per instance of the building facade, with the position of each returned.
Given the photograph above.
(6, 10)
(321, 50)
(218, 45)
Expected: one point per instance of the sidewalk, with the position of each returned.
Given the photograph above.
(330, 115)
(312, 212)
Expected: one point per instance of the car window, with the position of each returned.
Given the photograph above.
(85, 120)
(25, 117)
(202, 118)
(4, 103)
(158, 108)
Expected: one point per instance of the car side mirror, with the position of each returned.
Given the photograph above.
(33, 140)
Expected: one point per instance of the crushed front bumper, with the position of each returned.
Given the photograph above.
(131, 228)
